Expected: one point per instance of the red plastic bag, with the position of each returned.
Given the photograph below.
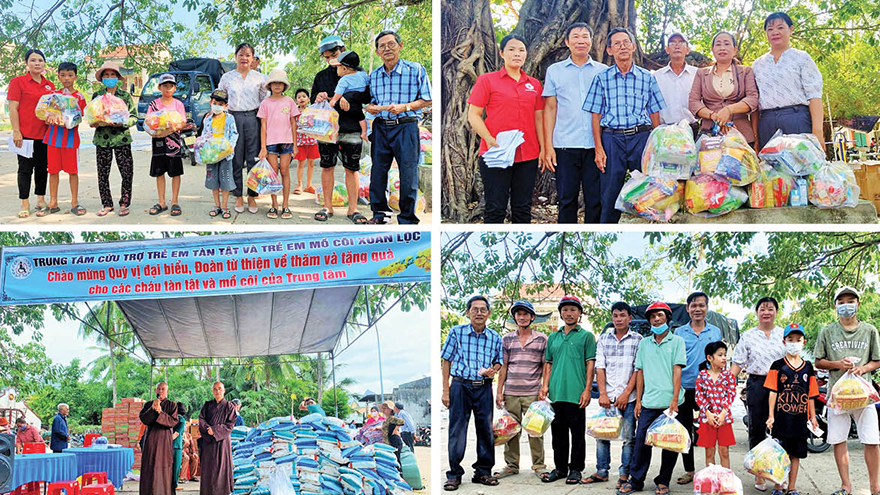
(505, 428)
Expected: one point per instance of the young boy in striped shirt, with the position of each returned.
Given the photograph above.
(63, 146)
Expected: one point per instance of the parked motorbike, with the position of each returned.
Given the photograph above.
(423, 437)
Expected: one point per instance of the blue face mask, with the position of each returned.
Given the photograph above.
(659, 330)
(110, 82)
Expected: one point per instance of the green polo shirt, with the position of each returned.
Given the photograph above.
(569, 355)
(657, 360)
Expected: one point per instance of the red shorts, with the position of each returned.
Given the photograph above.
(65, 159)
(709, 436)
(307, 152)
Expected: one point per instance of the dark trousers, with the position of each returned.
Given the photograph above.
(396, 442)
(464, 399)
(575, 170)
(686, 417)
(623, 153)
(515, 184)
(758, 406)
(791, 120)
(246, 148)
(38, 166)
(401, 143)
(408, 440)
(570, 418)
(641, 459)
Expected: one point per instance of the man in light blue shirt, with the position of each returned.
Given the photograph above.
(696, 335)
(569, 128)
(409, 426)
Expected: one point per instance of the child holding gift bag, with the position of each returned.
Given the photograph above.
(715, 392)
(167, 145)
(218, 176)
(278, 115)
(307, 149)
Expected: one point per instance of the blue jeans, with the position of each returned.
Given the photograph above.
(623, 153)
(575, 170)
(465, 398)
(603, 447)
(641, 459)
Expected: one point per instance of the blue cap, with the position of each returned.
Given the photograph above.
(524, 305)
(793, 328)
(329, 43)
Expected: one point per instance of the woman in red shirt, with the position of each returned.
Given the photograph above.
(512, 101)
(24, 93)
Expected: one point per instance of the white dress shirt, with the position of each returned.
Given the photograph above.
(676, 88)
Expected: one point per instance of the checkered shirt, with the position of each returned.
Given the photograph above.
(469, 351)
(406, 83)
(624, 100)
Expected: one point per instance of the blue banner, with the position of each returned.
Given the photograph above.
(210, 265)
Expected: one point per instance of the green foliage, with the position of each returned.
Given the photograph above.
(850, 76)
(341, 401)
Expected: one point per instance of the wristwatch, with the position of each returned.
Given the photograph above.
(408, 108)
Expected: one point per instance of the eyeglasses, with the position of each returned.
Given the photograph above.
(389, 46)
(479, 311)
(677, 43)
(621, 44)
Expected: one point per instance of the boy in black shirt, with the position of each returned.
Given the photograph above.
(793, 387)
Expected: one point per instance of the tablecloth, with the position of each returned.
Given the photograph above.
(43, 467)
(115, 462)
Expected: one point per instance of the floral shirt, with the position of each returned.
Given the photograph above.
(230, 131)
(112, 136)
(715, 396)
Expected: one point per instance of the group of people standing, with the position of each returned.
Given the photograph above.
(678, 372)
(589, 123)
(26, 433)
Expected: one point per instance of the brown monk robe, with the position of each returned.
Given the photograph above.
(160, 416)
(189, 467)
(215, 425)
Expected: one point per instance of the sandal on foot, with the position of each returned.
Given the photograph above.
(157, 208)
(552, 476)
(620, 482)
(226, 214)
(593, 478)
(253, 209)
(323, 215)
(105, 211)
(239, 209)
(285, 213)
(48, 210)
(485, 479)
(574, 477)
(123, 212)
(452, 484)
(216, 211)
(661, 490)
(175, 210)
(24, 214)
(627, 488)
(298, 190)
(762, 487)
(357, 219)
(272, 213)
(504, 473)
(685, 479)
(78, 210)
(310, 190)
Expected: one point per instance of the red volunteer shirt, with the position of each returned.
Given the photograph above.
(27, 93)
(510, 105)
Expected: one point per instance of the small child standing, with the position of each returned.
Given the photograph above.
(278, 115)
(307, 149)
(218, 176)
(715, 393)
(353, 78)
(167, 147)
(62, 147)
(793, 388)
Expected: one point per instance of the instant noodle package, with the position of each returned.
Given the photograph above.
(505, 428)
(108, 109)
(605, 424)
(654, 198)
(536, 421)
(768, 460)
(162, 120)
(668, 433)
(709, 148)
(58, 105)
(796, 154)
(712, 195)
(212, 149)
(852, 392)
(717, 480)
(262, 179)
(670, 152)
(834, 186)
(319, 121)
(738, 162)
(772, 189)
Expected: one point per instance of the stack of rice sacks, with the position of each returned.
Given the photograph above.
(318, 454)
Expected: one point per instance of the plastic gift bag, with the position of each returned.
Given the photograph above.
(162, 120)
(606, 424)
(668, 433)
(709, 150)
(536, 421)
(339, 198)
(828, 187)
(796, 154)
(768, 460)
(717, 480)
(279, 483)
(319, 121)
(772, 189)
(738, 162)
(262, 179)
(210, 149)
(852, 392)
(670, 152)
(107, 109)
(505, 428)
(712, 195)
(654, 198)
(58, 105)
(394, 201)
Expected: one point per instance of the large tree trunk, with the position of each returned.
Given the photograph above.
(469, 49)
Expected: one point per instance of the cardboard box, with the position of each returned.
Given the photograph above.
(868, 179)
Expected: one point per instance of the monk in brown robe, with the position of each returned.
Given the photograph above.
(160, 416)
(215, 425)
(189, 467)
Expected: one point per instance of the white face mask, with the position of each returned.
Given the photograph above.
(847, 310)
(218, 109)
(794, 348)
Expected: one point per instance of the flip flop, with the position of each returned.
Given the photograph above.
(155, 209)
(593, 478)
(285, 213)
(323, 215)
(124, 211)
(226, 215)
(685, 479)
(552, 476)
(216, 211)
(298, 190)
(504, 473)
(47, 211)
(175, 210)
(357, 219)
(661, 490)
(78, 210)
(272, 213)
(24, 214)
(104, 211)
(574, 477)
(310, 190)
(620, 482)
(623, 489)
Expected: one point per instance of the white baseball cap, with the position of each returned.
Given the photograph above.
(845, 290)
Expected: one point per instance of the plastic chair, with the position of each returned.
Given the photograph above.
(100, 489)
(31, 488)
(68, 487)
(90, 438)
(34, 448)
(93, 478)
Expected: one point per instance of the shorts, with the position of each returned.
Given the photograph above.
(794, 446)
(280, 149)
(66, 159)
(164, 164)
(219, 176)
(348, 146)
(307, 152)
(709, 436)
(866, 423)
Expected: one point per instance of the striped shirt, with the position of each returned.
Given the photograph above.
(715, 396)
(755, 353)
(793, 80)
(618, 359)
(470, 351)
(244, 94)
(59, 136)
(525, 364)
(624, 100)
(406, 83)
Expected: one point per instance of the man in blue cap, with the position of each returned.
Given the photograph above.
(348, 145)
(519, 382)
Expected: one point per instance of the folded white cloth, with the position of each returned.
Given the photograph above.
(502, 156)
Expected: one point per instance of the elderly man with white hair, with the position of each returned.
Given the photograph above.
(60, 433)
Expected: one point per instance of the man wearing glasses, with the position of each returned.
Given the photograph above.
(472, 355)
(675, 81)
(625, 102)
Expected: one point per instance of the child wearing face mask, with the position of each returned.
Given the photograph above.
(793, 388)
(218, 176)
(714, 394)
